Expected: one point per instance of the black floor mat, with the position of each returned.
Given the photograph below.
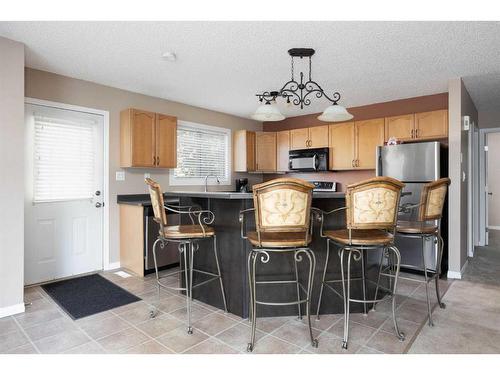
(88, 295)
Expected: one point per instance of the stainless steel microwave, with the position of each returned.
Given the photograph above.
(309, 160)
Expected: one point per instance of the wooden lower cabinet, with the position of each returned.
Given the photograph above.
(341, 146)
(368, 135)
(431, 125)
(283, 148)
(265, 151)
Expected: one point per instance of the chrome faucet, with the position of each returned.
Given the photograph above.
(206, 180)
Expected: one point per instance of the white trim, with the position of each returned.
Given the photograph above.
(11, 310)
(105, 114)
(494, 227)
(112, 266)
(173, 181)
(457, 275)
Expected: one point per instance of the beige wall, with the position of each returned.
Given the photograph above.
(12, 175)
(460, 104)
(48, 86)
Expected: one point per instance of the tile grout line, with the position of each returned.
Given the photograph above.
(26, 335)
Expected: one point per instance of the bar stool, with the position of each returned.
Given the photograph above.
(187, 237)
(371, 214)
(427, 227)
(283, 226)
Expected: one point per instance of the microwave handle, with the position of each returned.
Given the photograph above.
(315, 162)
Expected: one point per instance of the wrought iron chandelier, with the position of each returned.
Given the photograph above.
(299, 93)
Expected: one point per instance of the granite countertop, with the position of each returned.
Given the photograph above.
(144, 200)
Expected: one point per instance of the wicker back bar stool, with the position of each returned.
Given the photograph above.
(187, 237)
(371, 215)
(425, 227)
(283, 226)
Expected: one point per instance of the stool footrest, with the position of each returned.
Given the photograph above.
(282, 303)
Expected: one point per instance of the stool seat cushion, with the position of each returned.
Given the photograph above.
(416, 227)
(279, 239)
(186, 231)
(360, 236)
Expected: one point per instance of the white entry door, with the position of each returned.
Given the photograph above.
(64, 193)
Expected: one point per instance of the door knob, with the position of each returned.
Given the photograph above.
(97, 193)
(490, 193)
(98, 205)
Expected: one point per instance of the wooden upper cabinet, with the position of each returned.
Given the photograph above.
(283, 147)
(400, 127)
(244, 151)
(314, 137)
(166, 141)
(265, 151)
(342, 150)
(318, 136)
(368, 135)
(137, 137)
(147, 139)
(431, 125)
(299, 138)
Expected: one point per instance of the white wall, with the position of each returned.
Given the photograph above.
(493, 155)
(12, 177)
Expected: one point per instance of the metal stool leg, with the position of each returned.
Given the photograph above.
(438, 269)
(347, 295)
(429, 310)
(310, 281)
(186, 247)
(220, 275)
(378, 277)
(363, 276)
(297, 284)
(249, 270)
(323, 278)
(251, 344)
(154, 310)
(395, 250)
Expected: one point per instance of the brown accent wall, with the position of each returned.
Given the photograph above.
(366, 112)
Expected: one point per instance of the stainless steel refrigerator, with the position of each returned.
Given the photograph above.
(415, 164)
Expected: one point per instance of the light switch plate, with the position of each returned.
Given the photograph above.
(466, 122)
(120, 176)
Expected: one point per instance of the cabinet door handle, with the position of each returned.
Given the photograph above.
(157, 160)
(154, 160)
(416, 133)
(413, 133)
(352, 163)
(357, 162)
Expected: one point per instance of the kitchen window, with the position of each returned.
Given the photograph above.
(202, 150)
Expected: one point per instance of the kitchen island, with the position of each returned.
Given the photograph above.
(233, 252)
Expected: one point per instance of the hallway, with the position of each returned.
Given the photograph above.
(471, 321)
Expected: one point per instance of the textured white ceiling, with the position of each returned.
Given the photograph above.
(221, 65)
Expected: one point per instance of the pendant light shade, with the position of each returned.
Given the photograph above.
(268, 112)
(335, 113)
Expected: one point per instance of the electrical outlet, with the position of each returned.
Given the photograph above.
(147, 175)
(120, 176)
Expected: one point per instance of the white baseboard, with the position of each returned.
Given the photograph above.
(494, 227)
(112, 266)
(457, 275)
(11, 310)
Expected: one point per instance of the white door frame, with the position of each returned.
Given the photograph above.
(481, 184)
(46, 103)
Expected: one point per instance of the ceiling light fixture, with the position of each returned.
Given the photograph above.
(298, 94)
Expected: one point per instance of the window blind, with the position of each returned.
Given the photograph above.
(64, 159)
(202, 151)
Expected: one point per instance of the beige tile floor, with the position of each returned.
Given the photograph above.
(45, 328)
